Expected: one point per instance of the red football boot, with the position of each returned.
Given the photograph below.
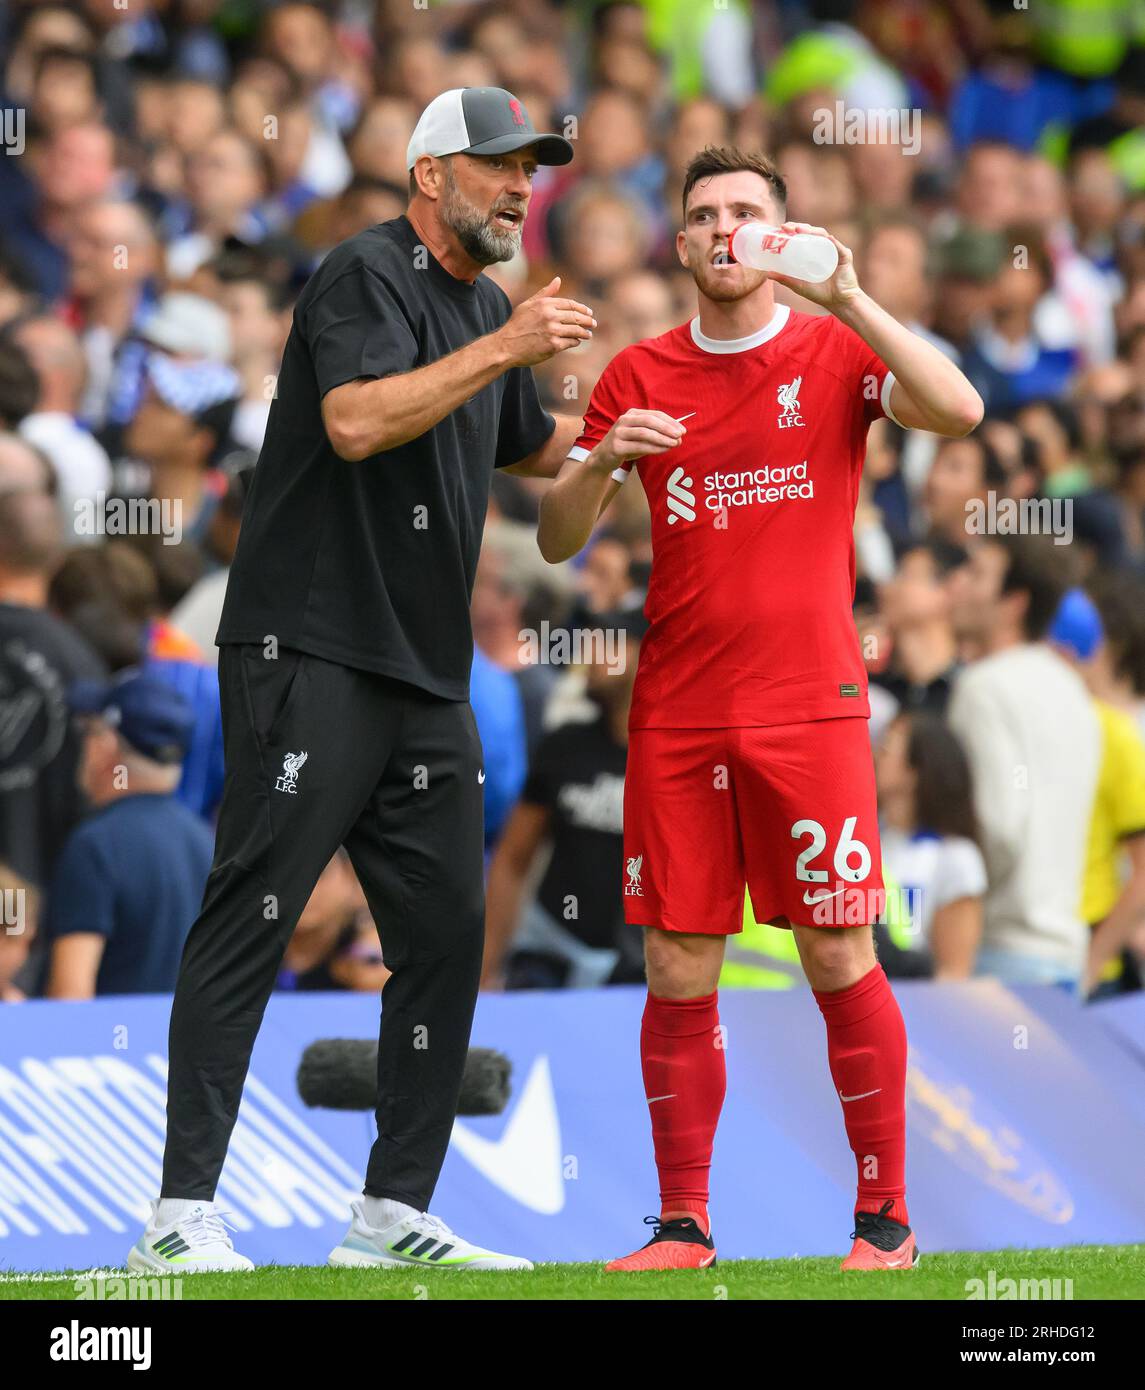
(675, 1244)
(881, 1243)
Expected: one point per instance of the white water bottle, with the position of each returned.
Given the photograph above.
(798, 254)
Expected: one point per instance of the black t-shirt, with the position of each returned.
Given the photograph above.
(931, 698)
(40, 800)
(577, 774)
(371, 564)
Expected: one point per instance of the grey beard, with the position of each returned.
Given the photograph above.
(481, 241)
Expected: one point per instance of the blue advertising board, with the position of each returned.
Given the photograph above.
(1026, 1124)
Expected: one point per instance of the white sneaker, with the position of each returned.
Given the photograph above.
(197, 1243)
(417, 1239)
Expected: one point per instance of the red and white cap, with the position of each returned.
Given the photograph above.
(481, 120)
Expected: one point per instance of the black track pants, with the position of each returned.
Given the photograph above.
(319, 755)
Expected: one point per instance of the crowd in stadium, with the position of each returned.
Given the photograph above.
(175, 170)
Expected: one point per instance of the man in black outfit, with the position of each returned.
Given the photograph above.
(344, 668)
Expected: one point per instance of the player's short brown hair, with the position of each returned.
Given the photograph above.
(727, 159)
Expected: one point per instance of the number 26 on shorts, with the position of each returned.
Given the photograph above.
(852, 858)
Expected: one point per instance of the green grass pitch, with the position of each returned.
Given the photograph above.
(1097, 1272)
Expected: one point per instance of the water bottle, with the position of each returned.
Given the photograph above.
(798, 254)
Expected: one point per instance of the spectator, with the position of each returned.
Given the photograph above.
(929, 839)
(40, 657)
(1054, 430)
(40, 29)
(606, 238)
(1096, 196)
(916, 607)
(645, 303)
(17, 296)
(129, 881)
(19, 385)
(820, 184)
(1117, 128)
(705, 53)
(65, 90)
(377, 143)
(616, 150)
(259, 322)
(82, 468)
(180, 430)
(836, 58)
(194, 111)
(500, 715)
(1113, 891)
(1082, 298)
(964, 472)
(1017, 709)
(74, 168)
(290, 191)
(987, 197)
(966, 264)
(114, 257)
(227, 180)
(895, 274)
(605, 584)
(335, 944)
(364, 201)
(303, 39)
(188, 327)
(21, 904)
(23, 468)
(1119, 665)
(573, 934)
(498, 615)
(1011, 360)
(112, 596)
(198, 611)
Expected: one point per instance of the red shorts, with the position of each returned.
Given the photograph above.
(789, 810)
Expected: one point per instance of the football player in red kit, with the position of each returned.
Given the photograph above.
(749, 759)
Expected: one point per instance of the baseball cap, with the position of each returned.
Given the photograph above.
(190, 324)
(481, 120)
(148, 713)
(970, 253)
(1077, 624)
(191, 387)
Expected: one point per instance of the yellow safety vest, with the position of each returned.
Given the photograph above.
(676, 30)
(1086, 38)
(764, 956)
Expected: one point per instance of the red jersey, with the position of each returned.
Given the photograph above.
(753, 556)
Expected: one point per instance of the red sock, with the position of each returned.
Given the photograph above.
(685, 1076)
(866, 1049)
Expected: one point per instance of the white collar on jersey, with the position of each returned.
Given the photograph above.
(775, 324)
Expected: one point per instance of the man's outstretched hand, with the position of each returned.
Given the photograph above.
(543, 325)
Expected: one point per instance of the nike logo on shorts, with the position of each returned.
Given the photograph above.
(821, 897)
